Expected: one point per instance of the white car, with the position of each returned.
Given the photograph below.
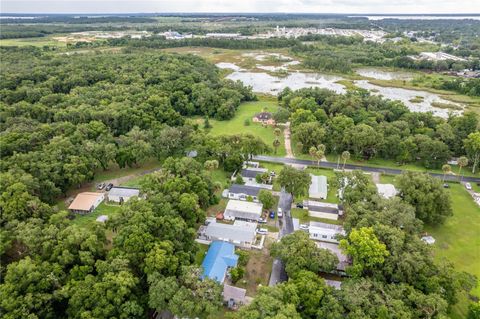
(303, 226)
(280, 213)
(262, 231)
(468, 186)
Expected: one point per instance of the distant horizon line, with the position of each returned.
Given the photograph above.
(241, 13)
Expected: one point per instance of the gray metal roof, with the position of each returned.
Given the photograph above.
(250, 173)
(324, 209)
(124, 191)
(230, 232)
(244, 189)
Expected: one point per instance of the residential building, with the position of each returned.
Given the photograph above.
(122, 194)
(249, 174)
(86, 202)
(318, 187)
(242, 192)
(343, 260)
(241, 233)
(325, 232)
(243, 210)
(386, 190)
(264, 118)
(323, 210)
(220, 257)
(234, 296)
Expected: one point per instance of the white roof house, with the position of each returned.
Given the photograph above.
(386, 190)
(122, 194)
(325, 232)
(241, 233)
(243, 210)
(318, 187)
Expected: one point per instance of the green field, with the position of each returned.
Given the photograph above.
(38, 42)
(458, 240)
(247, 111)
(89, 219)
(200, 255)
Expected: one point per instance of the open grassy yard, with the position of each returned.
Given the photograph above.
(202, 251)
(458, 240)
(302, 215)
(257, 271)
(247, 111)
(38, 42)
(89, 219)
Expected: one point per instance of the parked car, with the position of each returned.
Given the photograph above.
(101, 186)
(109, 187)
(280, 213)
(446, 185)
(303, 226)
(468, 186)
(272, 214)
(262, 220)
(262, 231)
(299, 205)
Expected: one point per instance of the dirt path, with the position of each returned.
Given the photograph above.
(288, 144)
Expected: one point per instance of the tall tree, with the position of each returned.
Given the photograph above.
(462, 162)
(447, 169)
(472, 146)
(294, 181)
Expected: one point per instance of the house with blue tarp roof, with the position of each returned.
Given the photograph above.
(220, 256)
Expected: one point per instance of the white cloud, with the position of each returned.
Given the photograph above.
(287, 6)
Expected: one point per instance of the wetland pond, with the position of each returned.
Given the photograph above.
(416, 101)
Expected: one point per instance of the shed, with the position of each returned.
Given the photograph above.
(243, 210)
(220, 257)
(234, 295)
(386, 190)
(86, 202)
(318, 187)
(122, 194)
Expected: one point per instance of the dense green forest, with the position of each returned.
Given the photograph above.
(368, 126)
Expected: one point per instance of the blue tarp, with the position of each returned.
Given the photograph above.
(220, 256)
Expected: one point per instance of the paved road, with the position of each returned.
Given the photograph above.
(390, 171)
(286, 227)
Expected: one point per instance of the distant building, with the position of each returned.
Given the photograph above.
(264, 118)
(223, 35)
(318, 187)
(241, 234)
(323, 210)
(242, 192)
(325, 232)
(86, 202)
(122, 194)
(386, 190)
(220, 257)
(243, 210)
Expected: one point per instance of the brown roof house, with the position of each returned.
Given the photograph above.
(264, 118)
(86, 202)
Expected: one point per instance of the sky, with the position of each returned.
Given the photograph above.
(261, 6)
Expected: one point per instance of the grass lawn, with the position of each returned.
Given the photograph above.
(89, 219)
(302, 215)
(277, 168)
(257, 271)
(458, 240)
(37, 41)
(237, 124)
(115, 172)
(202, 251)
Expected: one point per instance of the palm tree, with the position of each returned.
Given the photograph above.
(320, 153)
(312, 151)
(345, 157)
(447, 169)
(211, 165)
(276, 144)
(462, 162)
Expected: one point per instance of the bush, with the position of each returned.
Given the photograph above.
(236, 274)
(246, 122)
(243, 257)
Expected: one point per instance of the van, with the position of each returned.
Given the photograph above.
(468, 186)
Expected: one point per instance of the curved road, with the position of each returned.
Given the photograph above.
(390, 171)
